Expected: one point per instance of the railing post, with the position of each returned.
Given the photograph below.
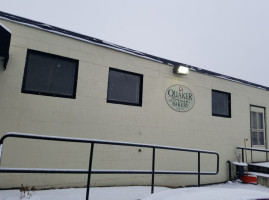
(153, 170)
(89, 172)
(199, 169)
(0, 153)
(217, 163)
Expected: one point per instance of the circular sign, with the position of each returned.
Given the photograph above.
(179, 98)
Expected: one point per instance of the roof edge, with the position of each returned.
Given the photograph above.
(99, 42)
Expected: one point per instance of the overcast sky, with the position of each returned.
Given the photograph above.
(230, 37)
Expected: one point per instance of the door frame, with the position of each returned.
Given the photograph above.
(265, 130)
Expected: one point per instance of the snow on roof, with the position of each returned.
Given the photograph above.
(240, 164)
(259, 174)
(262, 164)
(92, 40)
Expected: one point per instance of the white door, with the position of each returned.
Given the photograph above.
(257, 133)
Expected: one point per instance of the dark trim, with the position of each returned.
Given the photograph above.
(140, 89)
(224, 116)
(229, 104)
(4, 44)
(251, 105)
(124, 103)
(23, 90)
(92, 40)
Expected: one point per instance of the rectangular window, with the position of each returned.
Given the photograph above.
(221, 104)
(124, 87)
(50, 75)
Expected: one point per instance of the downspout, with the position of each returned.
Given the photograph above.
(230, 170)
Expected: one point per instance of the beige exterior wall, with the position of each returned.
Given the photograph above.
(89, 116)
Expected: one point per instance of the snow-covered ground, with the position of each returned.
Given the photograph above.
(227, 191)
(96, 193)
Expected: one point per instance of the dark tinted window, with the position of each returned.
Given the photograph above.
(124, 87)
(221, 104)
(48, 74)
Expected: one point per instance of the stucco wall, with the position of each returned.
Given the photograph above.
(89, 116)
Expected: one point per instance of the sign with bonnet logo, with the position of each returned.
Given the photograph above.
(179, 98)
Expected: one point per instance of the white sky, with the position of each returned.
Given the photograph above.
(230, 37)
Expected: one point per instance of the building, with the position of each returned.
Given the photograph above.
(57, 82)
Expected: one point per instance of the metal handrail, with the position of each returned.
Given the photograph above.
(90, 171)
(252, 149)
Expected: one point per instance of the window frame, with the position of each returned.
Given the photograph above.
(229, 104)
(140, 88)
(27, 91)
